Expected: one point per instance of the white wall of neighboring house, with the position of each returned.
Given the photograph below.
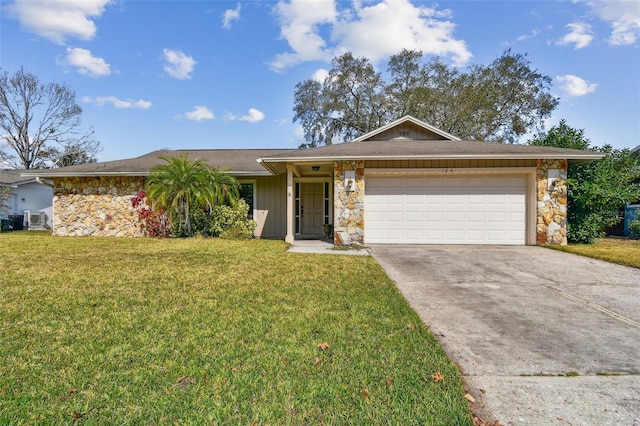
(32, 196)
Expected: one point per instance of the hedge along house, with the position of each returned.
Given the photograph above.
(404, 183)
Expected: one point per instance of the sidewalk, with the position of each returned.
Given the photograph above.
(324, 247)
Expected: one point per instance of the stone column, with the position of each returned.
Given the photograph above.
(290, 195)
(348, 204)
(551, 211)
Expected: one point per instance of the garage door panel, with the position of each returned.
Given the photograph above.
(477, 217)
(446, 210)
(455, 217)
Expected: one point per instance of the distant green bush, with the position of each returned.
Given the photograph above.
(634, 227)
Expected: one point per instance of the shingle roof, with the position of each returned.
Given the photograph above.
(13, 177)
(429, 149)
(238, 162)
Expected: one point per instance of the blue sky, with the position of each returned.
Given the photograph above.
(221, 74)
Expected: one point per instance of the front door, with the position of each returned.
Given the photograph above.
(311, 212)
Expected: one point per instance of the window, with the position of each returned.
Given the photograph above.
(246, 193)
(326, 203)
(297, 207)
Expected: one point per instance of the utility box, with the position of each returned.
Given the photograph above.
(16, 222)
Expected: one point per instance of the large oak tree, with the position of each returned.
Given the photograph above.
(498, 102)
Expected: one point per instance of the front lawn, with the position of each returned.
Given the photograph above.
(623, 252)
(208, 331)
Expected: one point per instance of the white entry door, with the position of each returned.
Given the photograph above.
(473, 209)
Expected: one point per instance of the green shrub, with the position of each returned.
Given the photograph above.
(223, 221)
(634, 227)
(232, 221)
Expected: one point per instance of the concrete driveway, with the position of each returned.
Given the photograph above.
(541, 337)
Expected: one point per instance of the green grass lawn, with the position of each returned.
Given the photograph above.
(623, 252)
(208, 331)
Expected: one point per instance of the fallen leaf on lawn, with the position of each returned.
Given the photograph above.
(324, 345)
(76, 415)
(185, 381)
(389, 382)
(72, 390)
(365, 393)
(411, 326)
(437, 377)
(318, 360)
(469, 397)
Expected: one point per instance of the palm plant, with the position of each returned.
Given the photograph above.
(182, 184)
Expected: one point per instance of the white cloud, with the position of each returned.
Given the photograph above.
(385, 28)
(179, 65)
(118, 103)
(624, 18)
(579, 34)
(200, 113)
(574, 85)
(86, 63)
(320, 75)
(300, 23)
(58, 20)
(532, 34)
(375, 30)
(229, 16)
(254, 116)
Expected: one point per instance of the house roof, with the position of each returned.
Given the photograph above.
(407, 149)
(377, 145)
(14, 178)
(374, 145)
(238, 162)
(403, 120)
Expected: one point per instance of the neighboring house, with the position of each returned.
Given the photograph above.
(29, 194)
(632, 210)
(406, 182)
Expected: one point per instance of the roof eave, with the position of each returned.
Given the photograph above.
(585, 157)
(270, 170)
(143, 174)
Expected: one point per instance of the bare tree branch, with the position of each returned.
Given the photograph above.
(41, 124)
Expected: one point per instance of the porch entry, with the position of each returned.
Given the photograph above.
(312, 208)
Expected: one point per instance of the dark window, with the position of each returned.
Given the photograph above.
(297, 207)
(246, 193)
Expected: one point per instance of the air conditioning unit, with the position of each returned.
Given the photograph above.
(35, 220)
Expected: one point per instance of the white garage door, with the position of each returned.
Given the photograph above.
(446, 209)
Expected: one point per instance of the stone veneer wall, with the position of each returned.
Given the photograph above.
(551, 211)
(96, 206)
(348, 206)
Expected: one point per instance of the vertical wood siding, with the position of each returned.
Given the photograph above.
(271, 207)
